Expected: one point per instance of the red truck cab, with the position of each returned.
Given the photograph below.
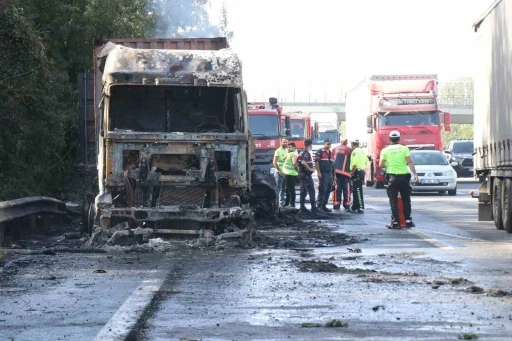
(301, 128)
(267, 125)
(406, 103)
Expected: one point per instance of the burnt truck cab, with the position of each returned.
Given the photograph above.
(173, 151)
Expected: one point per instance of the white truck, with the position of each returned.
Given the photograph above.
(328, 127)
(493, 112)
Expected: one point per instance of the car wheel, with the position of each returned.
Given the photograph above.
(453, 191)
(506, 204)
(496, 204)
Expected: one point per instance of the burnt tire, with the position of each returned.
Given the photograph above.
(496, 203)
(506, 204)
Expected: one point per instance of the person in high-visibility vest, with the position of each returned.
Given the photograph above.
(291, 172)
(278, 161)
(395, 158)
(358, 162)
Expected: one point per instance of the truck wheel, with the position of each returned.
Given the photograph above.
(506, 204)
(496, 204)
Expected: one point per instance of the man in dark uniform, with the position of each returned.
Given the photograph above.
(324, 165)
(343, 176)
(306, 169)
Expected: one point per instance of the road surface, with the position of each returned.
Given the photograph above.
(446, 279)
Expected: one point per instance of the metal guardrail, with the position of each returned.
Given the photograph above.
(24, 207)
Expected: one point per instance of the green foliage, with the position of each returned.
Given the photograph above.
(458, 132)
(44, 44)
(36, 111)
(458, 92)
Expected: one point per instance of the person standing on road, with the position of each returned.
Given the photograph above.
(278, 162)
(306, 169)
(291, 172)
(395, 158)
(343, 177)
(324, 165)
(358, 162)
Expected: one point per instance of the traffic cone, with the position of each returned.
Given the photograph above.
(401, 216)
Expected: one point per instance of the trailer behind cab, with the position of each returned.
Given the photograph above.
(493, 114)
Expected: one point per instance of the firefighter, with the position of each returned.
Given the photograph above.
(324, 165)
(358, 162)
(306, 170)
(343, 177)
(395, 159)
(279, 156)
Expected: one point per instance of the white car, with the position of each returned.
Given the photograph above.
(435, 173)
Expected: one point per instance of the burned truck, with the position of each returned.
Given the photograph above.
(172, 139)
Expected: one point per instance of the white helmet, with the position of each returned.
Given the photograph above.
(394, 134)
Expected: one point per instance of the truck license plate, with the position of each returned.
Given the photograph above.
(429, 181)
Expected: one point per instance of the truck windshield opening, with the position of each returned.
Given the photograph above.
(264, 125)
(415, 118)
(174, 109)
(333, 135)
(298, 127)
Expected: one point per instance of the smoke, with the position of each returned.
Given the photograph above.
(182, 19)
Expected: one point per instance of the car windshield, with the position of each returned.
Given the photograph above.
(263, 125)
(428, 159)
(413, 118)
(333, 135)
(463, 147)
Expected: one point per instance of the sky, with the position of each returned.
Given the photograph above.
(318, 50)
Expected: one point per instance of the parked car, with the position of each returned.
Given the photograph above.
(435, 173)
(461, 151)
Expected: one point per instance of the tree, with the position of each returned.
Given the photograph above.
(224, 23)
(458, 92)
(182, 18)
(458, 132)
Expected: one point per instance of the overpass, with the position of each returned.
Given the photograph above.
(461, 114)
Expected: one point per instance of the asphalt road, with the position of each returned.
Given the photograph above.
(438, 281)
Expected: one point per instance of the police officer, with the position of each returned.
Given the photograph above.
(291, 172)
(278, 161)
(324, 164)
(343, 175)
(306, 169)
(395, 159)
(358, 162)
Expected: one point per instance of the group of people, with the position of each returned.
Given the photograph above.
(342, 170)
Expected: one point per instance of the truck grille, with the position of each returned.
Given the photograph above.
(182, 196)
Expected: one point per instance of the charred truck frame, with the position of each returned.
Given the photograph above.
(172, 139)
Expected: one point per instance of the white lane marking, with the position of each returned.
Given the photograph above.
(122, 322)
(455, 236)
(430, 240)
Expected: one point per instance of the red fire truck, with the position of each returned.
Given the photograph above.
(268, 125)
